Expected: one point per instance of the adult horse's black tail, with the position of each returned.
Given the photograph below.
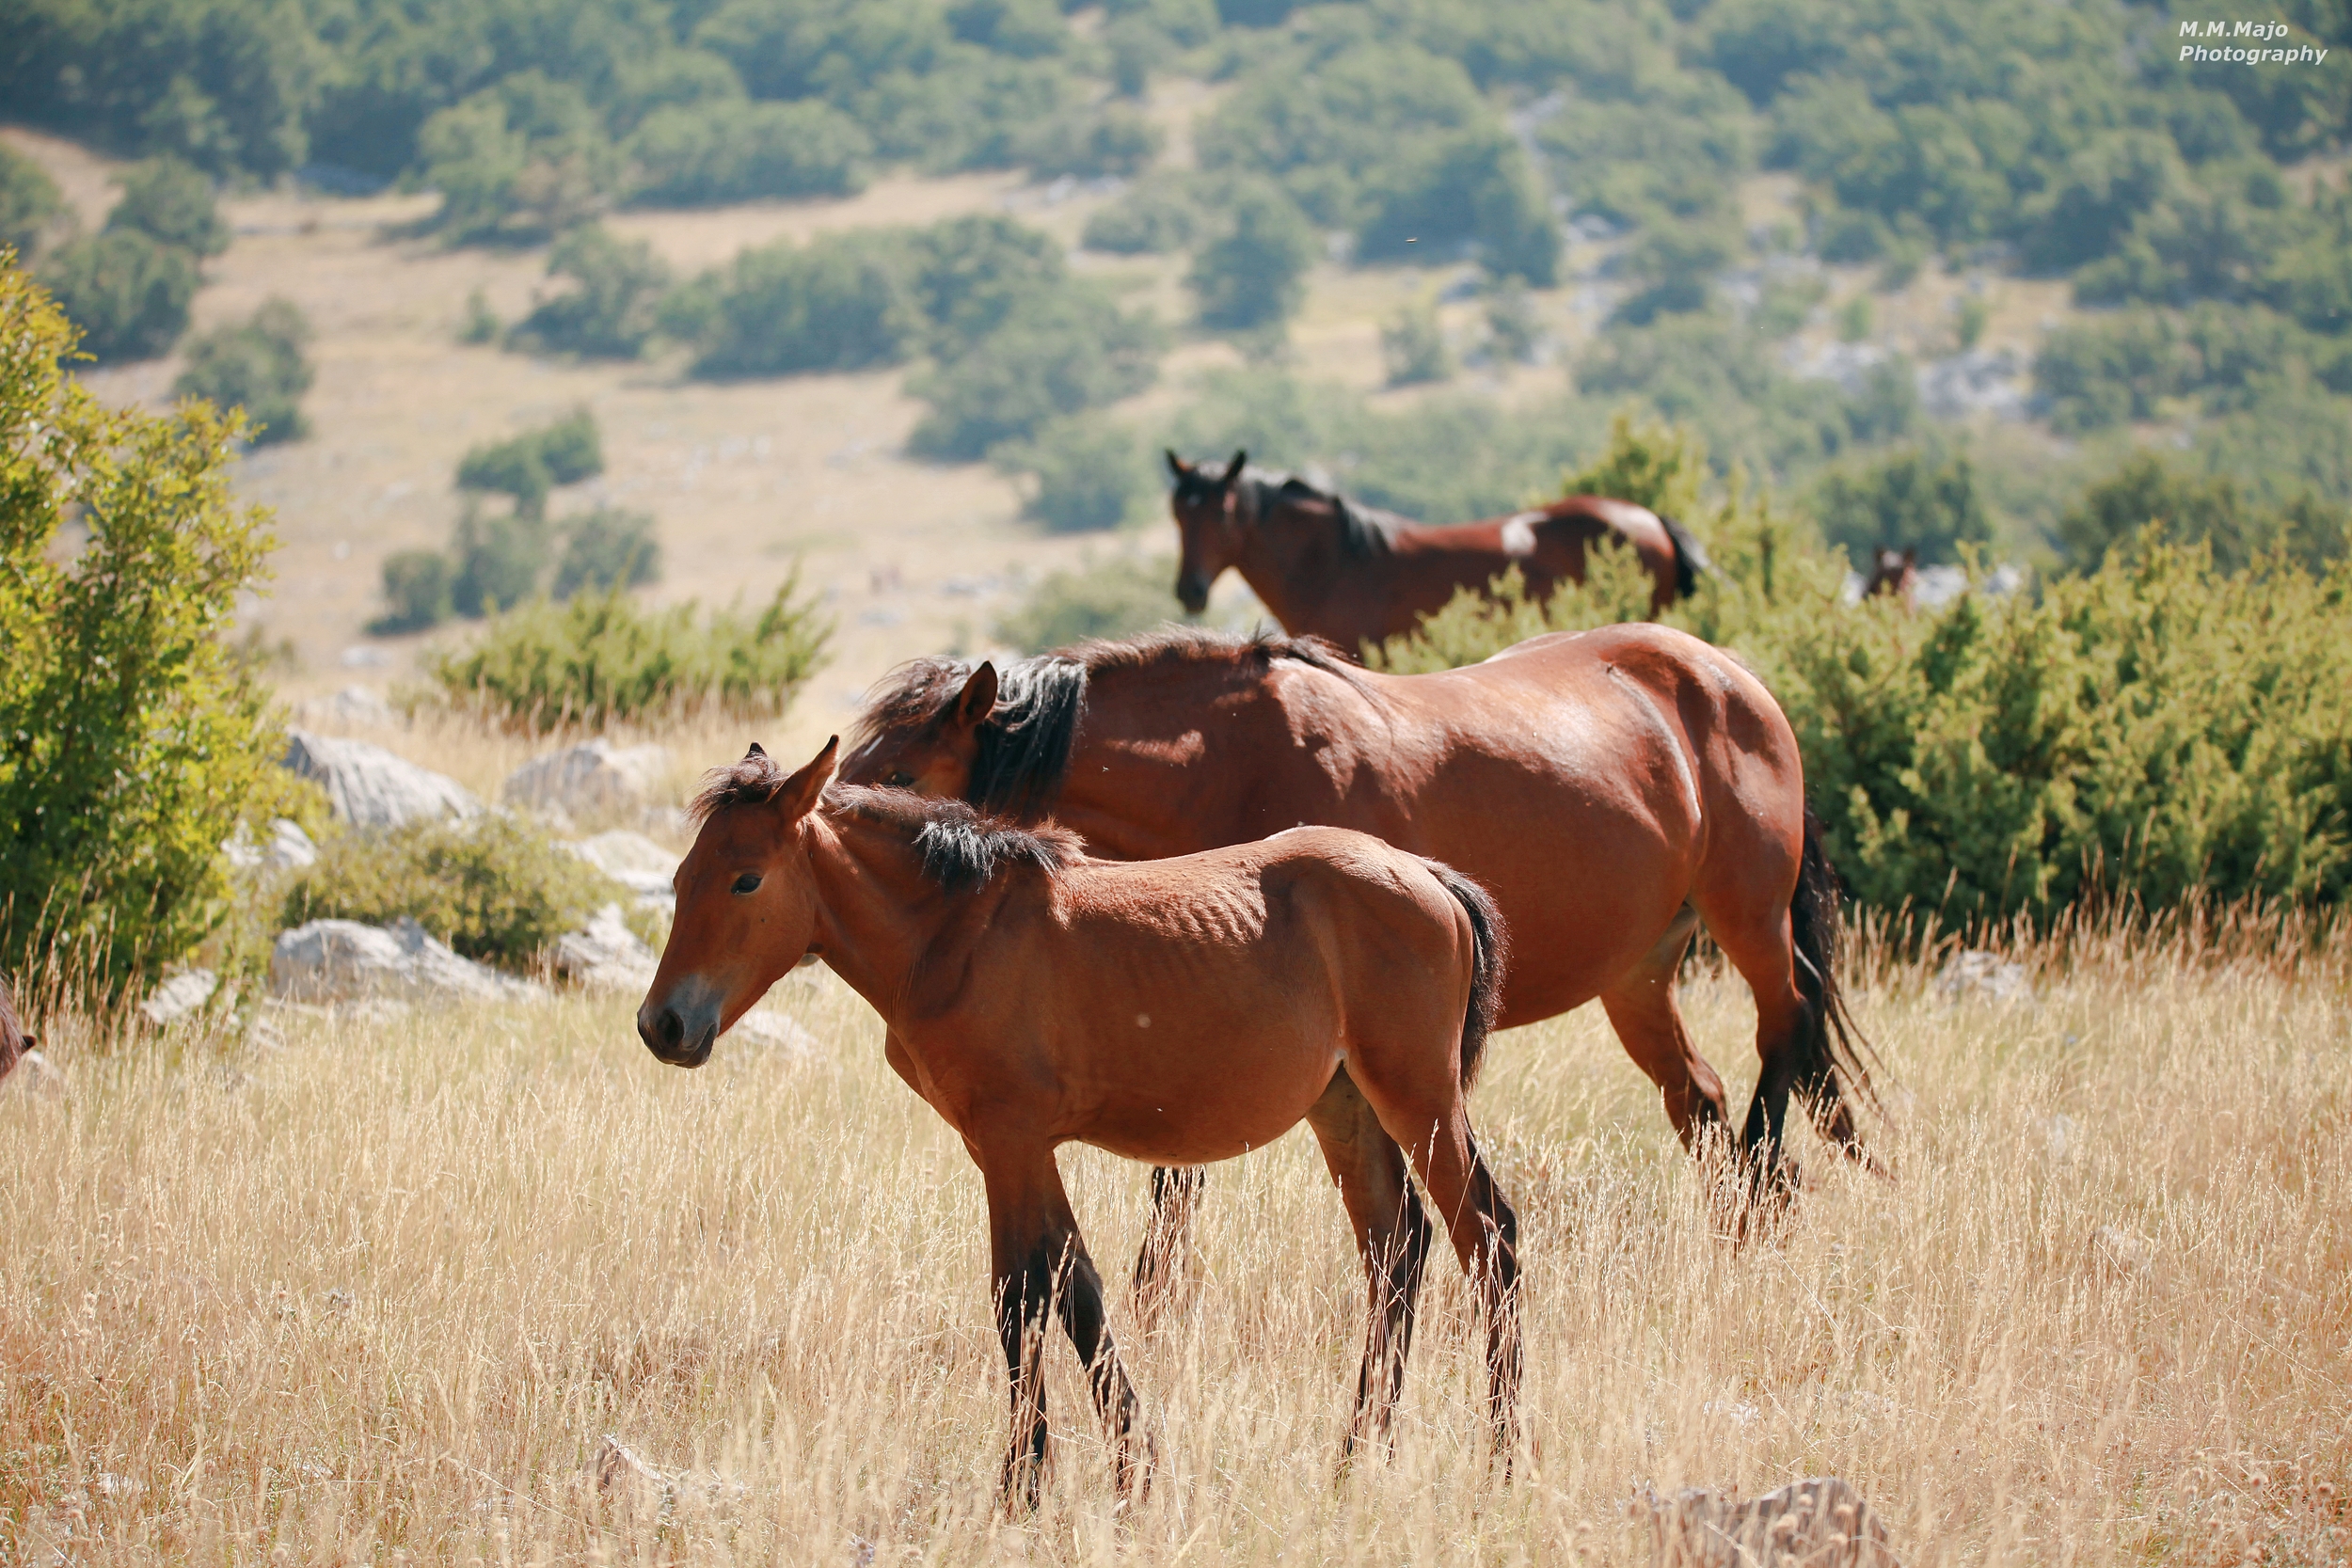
(1833, 1056)
(1491, 950)
(1690, 563)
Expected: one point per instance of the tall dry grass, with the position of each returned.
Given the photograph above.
(376, 1294)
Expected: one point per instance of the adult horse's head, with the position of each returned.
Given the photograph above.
(746, 904)
(1209, 521)
(922, 730)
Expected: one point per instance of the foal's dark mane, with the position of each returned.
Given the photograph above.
(1365, 533)
(1024, 744)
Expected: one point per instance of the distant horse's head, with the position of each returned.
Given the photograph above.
(924, 733)
(1209, 521)
(746, 904)
(1895, 574)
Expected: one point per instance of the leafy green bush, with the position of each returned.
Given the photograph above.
(171, 204)
(605, 549)
(705, 154)
(1252, 272)
(257, 365)
(525, 158)
(839, 303)
(1111, 599)
(498, 560)
(601, 657)
(527, 465)
(1156, 217)
(1905, 500)
(2149, 499)
(1472, 186)
(132, 742)
(609, 310)
(1087, 473)
(31, 206)
(2157, 730)
(1054, 354)
(496, 888)
(419, 585)
(1091, 143)
(128, 293)
(1412, 346)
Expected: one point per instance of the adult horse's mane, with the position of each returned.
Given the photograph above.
(1023, 745)
(961, 848)
(1364, 532)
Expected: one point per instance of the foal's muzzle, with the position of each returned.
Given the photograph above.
(680, 1038)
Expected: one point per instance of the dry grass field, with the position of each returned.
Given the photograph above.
(358, 1290)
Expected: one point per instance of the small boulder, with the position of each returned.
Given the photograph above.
(352, 705)
(635, 861)
(606, 955)
(180, 996)
(594, 776)
(1984, 975)
(371, 787)
(1818, 1523)
(287, 848)
(345, 961)
(774, 1032)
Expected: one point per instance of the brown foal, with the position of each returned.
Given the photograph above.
(1177, 1011)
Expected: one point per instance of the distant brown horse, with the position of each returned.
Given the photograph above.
(1895, 575)
(1351, 575)
(1610, 788)
(1182, 1011)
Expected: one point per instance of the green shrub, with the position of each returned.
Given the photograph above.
(1412, 346)
(970, 275)
(601, 657)
(1515, 328)
(610, 309)
(1252, 273)
(1087, 473)
(257, 365)
(842, 302)
(1905, 500)
(495, 888)
(2152, 499)
(1473, 188)
(1055, 354)
(517, 161)
(1091, 144)
(705, 154)
(527, 465)
(498, 560)
(2157, 731)
(131, 741)
(31, 206)
(128, 293)
(419, 585)
(1157, 217)
(171, 204)
(605, 549)
(1111, 599)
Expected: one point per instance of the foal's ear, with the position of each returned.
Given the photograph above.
(799, 795)
(1175, 465)
(755, 752)
(1233, 469)
(980, 697)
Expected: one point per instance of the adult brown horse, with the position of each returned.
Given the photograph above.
(1611, 790)
(1352, 575)
(1180, 1011)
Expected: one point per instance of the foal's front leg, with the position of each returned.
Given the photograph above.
(1041, 1264)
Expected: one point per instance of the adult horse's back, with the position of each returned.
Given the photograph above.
(1352, 575)
(1611, 790)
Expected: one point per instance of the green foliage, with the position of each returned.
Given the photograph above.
(1472, 186)
(2128, 366)
(31, 207)
(481, 323)
(1113, 139)
(420, 586)
(527, 466)
(1514, 329)
(171, 204)
(601, 658)
(2148, 500)
(1252, 272)
(1155, 217)
(496, 888)
(605, 549)
(518, 161)
(131, 740)
(1412, 346)
(842, 302)
(1118, 598)
(500, 558)
(1054, 354)
(1086, 471)
(128, 293)
(257, 365)
(1674, 262)
(609, 310)
(1907, 499)
(705, 154)
(2157, 731)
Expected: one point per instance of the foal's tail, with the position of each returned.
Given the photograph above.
(1690, 563)
(1490, 947)
(1833, 1056)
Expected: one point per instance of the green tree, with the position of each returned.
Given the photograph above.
(171, 204)
(2149, 498)
(131, 740)
(31, 205)
(1254, 272)
(842, 302)
(128, 293)
(1112, 598)
(1412, 346)
(605, 549)
(257, 365)
(1907, 500)
(1056, 353)
(527, 466)
(1087, 472)
(418, 589)
(610, 309)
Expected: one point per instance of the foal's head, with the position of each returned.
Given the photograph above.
(746, 904)
(1208, 519)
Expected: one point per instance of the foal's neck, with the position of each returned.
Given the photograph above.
(878, 915)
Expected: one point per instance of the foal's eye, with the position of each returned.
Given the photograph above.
(900, 779)
(748, 882)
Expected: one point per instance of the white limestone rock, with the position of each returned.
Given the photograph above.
(594, 776)
(371, 787)
(635, 861)
(345, 961)
(606, 954)
(179, 996)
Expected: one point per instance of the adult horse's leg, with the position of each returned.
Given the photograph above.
(1641, 1009)
(1041, 1265)
(1391, 1233)
(1167, 1238)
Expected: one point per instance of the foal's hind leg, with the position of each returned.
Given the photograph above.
(1391, 1233)
(1641, 1008)
(1041, 1264)
(1167, 1238)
